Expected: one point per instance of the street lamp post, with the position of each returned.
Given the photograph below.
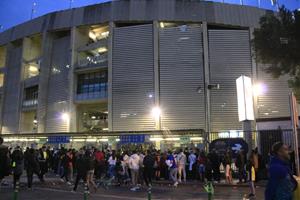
(71, 2)
(245, 107)
(33, 10)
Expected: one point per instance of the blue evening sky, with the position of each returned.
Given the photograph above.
(13, 12)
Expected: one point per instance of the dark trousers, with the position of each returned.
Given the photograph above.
(99, 170)
(44, 168)
(148, 172)
(78, 178)
(16, 179)
(216, 173)
(30, 173)
(65, 174)
(242, 174)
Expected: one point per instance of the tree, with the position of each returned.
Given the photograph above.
(277, 44)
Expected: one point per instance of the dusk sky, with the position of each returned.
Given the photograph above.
(13, 12)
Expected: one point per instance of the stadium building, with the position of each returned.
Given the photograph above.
(160, 70)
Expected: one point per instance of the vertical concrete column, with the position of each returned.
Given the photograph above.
(8, 48)
(45, 70)
(254, 81)
(26, 48)
(73, 82)
(206, 79)
(110, 65)
(156, 71)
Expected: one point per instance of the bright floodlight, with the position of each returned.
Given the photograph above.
(245, 98)
(65, 116)
(156, 112)
(259, 89)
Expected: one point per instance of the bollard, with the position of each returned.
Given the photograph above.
(149, 193)
(16, 191)
(209, 189)
(86, 191)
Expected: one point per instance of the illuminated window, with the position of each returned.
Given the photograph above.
(31, 96)
(1, 80)
(31, 70)
(92, 85)
(97, 33)
(2, 56)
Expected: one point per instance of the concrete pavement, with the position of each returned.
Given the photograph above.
(54, 189)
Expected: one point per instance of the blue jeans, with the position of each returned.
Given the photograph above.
(111, 170)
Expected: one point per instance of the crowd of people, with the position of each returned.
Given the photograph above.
(91, 165)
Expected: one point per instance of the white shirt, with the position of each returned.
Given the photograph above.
(134, 161)
(181, 159)
(112, 161)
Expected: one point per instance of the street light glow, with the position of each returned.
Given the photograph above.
(65, 116)
(259, 89)
(156, 112)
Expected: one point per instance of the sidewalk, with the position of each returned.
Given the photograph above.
(261, 183)
(53, 180)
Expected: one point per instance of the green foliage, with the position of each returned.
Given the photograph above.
(277, 44)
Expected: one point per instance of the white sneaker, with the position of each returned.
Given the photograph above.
(133, 189)
(69, 183)
(175, 184)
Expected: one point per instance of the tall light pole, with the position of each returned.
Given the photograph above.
(245, 107)
(275, 3)
(33, 10)
(71, 2)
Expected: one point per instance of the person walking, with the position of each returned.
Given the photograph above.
(215, 164)
(43, 162)
(31, 166)
(100, 163)
(202, 159)
(134, 165)
(65, 165)
(157, 165)
(17, 158)
(251, 174)
(181, 160)
(240, 164)
(192, 162)
(148, 163)
(81, 168)
(227, 164)
(90, 160)
(70, 160)
(4, 161)
(171, 162)
(112, 161)
(281, 184)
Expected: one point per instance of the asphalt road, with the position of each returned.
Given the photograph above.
(53, 189)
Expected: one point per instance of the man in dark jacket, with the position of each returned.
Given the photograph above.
(31, 165)
(4, 161)
(81, 168)
(17, 158)
(240, 164)
(215, 162)
(281, 182)
(148, 163)
(43, 161)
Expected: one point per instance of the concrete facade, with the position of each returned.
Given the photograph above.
(136, 56)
